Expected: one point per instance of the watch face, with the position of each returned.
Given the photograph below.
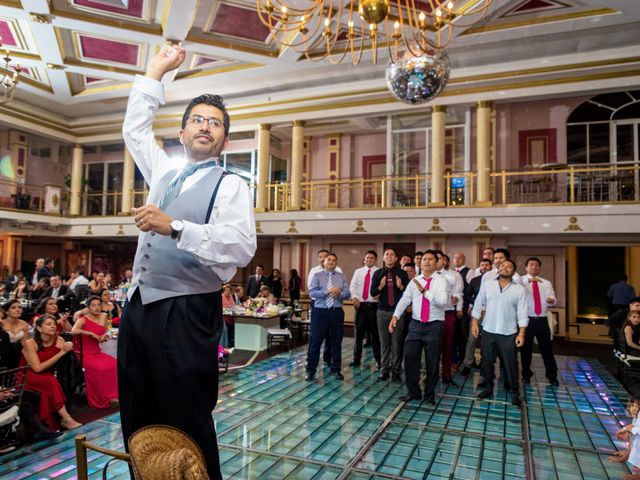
(177, 225)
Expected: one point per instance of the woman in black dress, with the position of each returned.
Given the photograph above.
(294, 286)
(276, 285)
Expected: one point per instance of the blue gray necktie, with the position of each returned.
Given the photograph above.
(174, 188)
(329, 287)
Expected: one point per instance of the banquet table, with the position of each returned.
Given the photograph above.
(251, 328)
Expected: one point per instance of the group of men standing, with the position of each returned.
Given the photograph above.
(405, 307)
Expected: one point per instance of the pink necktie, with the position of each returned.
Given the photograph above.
(367, 285)
(426, 304)
(537, 304)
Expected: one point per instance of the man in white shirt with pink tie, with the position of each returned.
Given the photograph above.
(366, 305)
(427, 294)
(540, 296)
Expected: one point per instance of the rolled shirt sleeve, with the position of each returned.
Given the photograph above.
(523, 317)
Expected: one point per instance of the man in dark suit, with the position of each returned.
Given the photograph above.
(60, 292)
(256, 281)
(46, 271)
(472, 342)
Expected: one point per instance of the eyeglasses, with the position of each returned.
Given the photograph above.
(198, 120)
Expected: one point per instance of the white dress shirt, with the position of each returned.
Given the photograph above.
(455, 287)
(315, 270)
(437, 296)
(228, 241)
(506, 309)
(79, 280)
(546, 291)
(357, 284)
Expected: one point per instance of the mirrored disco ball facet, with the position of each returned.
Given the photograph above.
(416, 80)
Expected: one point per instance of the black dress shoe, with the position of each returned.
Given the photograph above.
(483, 384)
(338, 375)
(408, 398)
(515, 400)
(310, 377)
(396, 378)
(327, 364)
(485, 394)
(383, 376)
(46, 435)
(449, 381)
(355, 364)
(554, 382)
(526, 381)
(465, 371)
(430, 399)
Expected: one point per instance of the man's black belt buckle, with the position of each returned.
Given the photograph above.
(541, 316)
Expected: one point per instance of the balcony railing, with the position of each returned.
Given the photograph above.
(575, 185)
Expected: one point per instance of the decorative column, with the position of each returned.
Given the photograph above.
(18, 145)
(76, 180)
(571, 256)
(333, 169)
(297, 160)
(438, 118)
(483, 136)
(264, 133)
(128, 173)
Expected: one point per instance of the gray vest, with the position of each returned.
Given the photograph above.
(163, 270)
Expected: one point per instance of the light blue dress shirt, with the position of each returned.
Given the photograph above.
(505, 309)
(318, 289)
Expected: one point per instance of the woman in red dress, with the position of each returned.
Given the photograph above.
(100, 369)
(41, 353)
(50, 305)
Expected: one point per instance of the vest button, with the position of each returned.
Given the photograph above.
(153, 234)
(146, 255)
(144, 269)
(141, 282)
(149, 244)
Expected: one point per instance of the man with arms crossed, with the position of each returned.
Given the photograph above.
(187, 248)
(503, 327)
(365, 305)
(427, 293)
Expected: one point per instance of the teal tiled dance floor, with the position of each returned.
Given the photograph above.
(272, 424)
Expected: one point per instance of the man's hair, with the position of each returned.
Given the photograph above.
(417, 253)
(431, 252)
(634, 300)
(438, 253)
(511, 262)
(447, 257)
(260, 266)
(395, 252)
(208, 99)
(47, 261)
(331, 254)
(489, 248)
(409, 264)
(55, 275)
(533, 259)
(79, 271)
(371, 252)
(624, 278)
(323, 250)
(485, 260)
(504, 251)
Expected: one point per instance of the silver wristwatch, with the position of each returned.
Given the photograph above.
(176, 228)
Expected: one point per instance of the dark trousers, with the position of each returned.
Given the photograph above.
(538, 328)
(391, 344)
(168, 367)
(326, 320)
(494, 345)
(447, 343)
(366, 325)
(427, 336)
(326, 353)
(460, 335)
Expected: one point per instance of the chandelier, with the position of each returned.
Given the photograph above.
(9, 79)
(335, 29)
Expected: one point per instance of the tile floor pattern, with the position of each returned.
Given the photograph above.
(272, 424)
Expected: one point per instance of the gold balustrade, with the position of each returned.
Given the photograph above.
(554, 184)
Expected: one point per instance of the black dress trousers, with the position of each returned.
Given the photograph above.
(168, 367)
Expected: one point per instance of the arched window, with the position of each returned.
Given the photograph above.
(605, 128)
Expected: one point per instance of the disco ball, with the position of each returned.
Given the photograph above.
(416, 80)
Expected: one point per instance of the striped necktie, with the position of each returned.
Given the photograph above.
(174, 188)
(329, 287)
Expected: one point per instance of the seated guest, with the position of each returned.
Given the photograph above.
(276, 284)
(631, 330)
(227, 338)
(41, 287)
(17, 331)
(50, 305)
(239, 296)
(111, 309)
(76, 279)
(97, 284)
(108, 281)
(616, 320)
(61, 292)
(21, 291)
(266, 293)
(100, 369)
(41, 353)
